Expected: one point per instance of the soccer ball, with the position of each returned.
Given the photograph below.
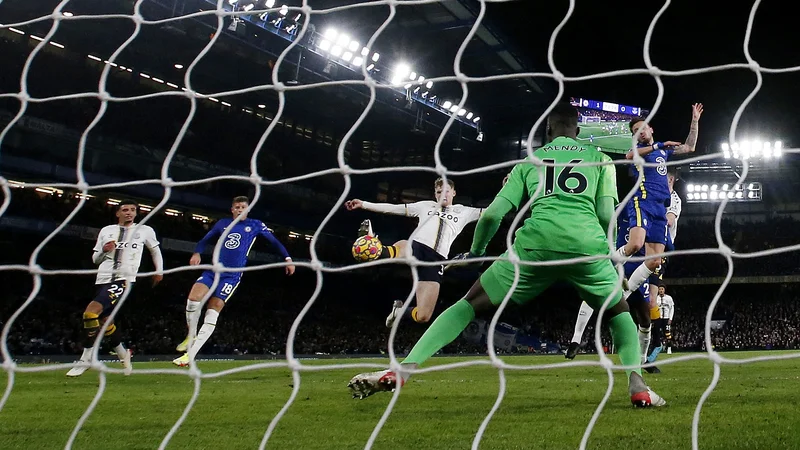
(367, 248)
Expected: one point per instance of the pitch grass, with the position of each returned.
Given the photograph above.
(614, 143)
(754, 406)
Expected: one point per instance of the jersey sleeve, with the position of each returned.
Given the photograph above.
(417, 208)
(607, 183)
(515, 188)
(98, 245)
(264, 231)
(151, 241)
(212, 234)
(474, 214)
(674, 205)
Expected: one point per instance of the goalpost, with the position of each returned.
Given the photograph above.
(281, 87)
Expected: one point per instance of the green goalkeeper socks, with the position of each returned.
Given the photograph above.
(626, 339)
(445, 329)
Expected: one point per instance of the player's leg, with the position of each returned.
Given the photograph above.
(395, 250)
(637, 231)
(106, 298)
(389, 251)
(596, 281)
(194, 307)
(488, 292)
(429, 279)
(658, 340)
(225, 289)
(112, 337)
(655, 241)
(584, 315)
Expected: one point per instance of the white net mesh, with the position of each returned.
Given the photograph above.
(221, 12)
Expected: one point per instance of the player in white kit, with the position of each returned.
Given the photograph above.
(440, 222)
(118, 252)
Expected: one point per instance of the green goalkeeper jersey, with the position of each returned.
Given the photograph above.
(563, 215)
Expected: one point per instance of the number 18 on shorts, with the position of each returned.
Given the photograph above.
(228, 282)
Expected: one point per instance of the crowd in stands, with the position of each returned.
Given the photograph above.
(267, 303)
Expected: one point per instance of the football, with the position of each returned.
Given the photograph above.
(367, 248)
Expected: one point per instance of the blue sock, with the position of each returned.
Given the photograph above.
(654, 354)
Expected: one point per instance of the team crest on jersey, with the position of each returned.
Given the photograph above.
(645, 222)
(248, 229)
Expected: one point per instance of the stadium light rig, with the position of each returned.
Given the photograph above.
(748, 149)
(715, 192)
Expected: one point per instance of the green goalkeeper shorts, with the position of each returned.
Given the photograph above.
(594, 280)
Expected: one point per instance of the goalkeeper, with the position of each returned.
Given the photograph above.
(568, 220)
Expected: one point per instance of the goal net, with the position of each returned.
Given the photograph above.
(350, 63)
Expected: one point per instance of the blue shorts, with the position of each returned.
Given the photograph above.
(641, 294)
(228, 282)
(650, 215)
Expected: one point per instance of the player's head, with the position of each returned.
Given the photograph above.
(239, 205)
(563, 121)
(662, 289)
(126, 211)
(444, 192)
(672, 175)
(642, 131)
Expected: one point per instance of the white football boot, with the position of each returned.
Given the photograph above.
(365, 384)
(397, 305)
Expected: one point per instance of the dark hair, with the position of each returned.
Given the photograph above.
(563, 115)
(633, 122)
(240, 199)
(127, 202)
(440, 182)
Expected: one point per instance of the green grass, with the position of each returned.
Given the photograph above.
(754, 406)
(616, 141)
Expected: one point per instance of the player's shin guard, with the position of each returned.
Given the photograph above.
(644, 342)
(444, 330)
(584, 315)
(623, 335)
(209, 324)
(91, 323)
(639, 276)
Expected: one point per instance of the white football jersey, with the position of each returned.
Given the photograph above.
(667, 306)
(439, 226)
(674, 208)
(122, 263)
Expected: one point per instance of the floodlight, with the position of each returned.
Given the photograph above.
(364, 51)
(690, 187)
(469, 115)
(429, 85)
(336, 50)
(324, 44)
(375, 56)
(343, 40)
(357, 61)
(476, 120)
(462, 111)
(347, 56)
(270, 3)
(353, 46)
(447, 105)
(331, 34)
(284, 10)
(454, 108)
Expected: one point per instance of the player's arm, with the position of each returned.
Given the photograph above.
(653, 147)
(213, 234)
(383, 208)
(154, 247)
(101, 249)
(674, 210)
(278, 246)
(671, 310)
(691, 140)
(606, 196)
(509, 198)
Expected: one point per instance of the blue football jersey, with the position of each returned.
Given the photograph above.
(654, 186)
(238, 241)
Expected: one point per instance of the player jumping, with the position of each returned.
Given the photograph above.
(233, 254)
(569, 219)
(440, 222)
(647, 209)
(118, 252)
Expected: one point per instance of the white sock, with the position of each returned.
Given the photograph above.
(583, 319)
(644, 341)
(639, 276)
(209, 324)
(120, 350)
(87, 354)
(192, 316)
